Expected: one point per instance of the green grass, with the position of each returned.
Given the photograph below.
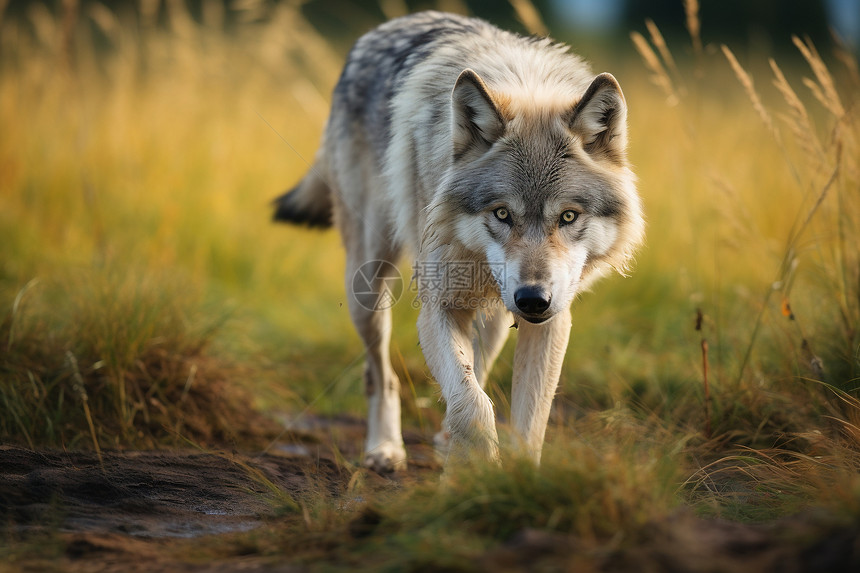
(584, 490)
(140, 280)
(92, 357)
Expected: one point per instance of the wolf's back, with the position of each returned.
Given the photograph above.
(361, 107)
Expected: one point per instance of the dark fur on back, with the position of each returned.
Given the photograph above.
(308, 203)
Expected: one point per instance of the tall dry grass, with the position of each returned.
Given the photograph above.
(788, 216)
(128, 150)
(140, 152)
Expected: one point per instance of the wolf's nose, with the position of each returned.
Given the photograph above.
(532, 299)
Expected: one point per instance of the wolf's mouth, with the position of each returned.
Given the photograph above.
(535, 319)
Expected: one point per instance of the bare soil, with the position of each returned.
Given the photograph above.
(149, 494)
(194, 511)
(148, 510)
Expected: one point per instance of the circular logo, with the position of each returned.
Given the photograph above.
(377, 285)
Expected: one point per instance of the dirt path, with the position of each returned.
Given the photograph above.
(124, 512)
(164, 511)
(138, 510)
(150, 494)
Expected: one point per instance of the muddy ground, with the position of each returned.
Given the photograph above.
(189, 510)
(148, 510)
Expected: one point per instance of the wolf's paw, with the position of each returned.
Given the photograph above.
(457, 451)
(442, 446)
(386, 457)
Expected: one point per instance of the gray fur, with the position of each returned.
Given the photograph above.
(437, 122)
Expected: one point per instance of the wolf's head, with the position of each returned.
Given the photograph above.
(540, 186)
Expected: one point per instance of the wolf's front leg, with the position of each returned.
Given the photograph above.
(446, 340)
(537, 367)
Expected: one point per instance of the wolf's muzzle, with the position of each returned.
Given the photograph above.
(533, 301)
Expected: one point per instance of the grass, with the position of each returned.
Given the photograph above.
(145, 300)
(92, 356)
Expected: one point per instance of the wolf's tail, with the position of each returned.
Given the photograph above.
(308, 203)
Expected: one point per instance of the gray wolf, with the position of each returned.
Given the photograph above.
(457, 143)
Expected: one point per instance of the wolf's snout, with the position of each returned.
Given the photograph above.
(532, 299)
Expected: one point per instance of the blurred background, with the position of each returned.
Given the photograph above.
(764, 24)
(141, 281)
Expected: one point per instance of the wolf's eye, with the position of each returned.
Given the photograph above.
(569, 217)
(502, 214)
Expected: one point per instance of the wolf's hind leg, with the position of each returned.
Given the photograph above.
(384, 450)
(491, 331)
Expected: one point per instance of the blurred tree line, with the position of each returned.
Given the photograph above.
(757, 24)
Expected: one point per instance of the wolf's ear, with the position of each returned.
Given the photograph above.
(477, 122)
(600, 119)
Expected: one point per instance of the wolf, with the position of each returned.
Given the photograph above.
(465, 146)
